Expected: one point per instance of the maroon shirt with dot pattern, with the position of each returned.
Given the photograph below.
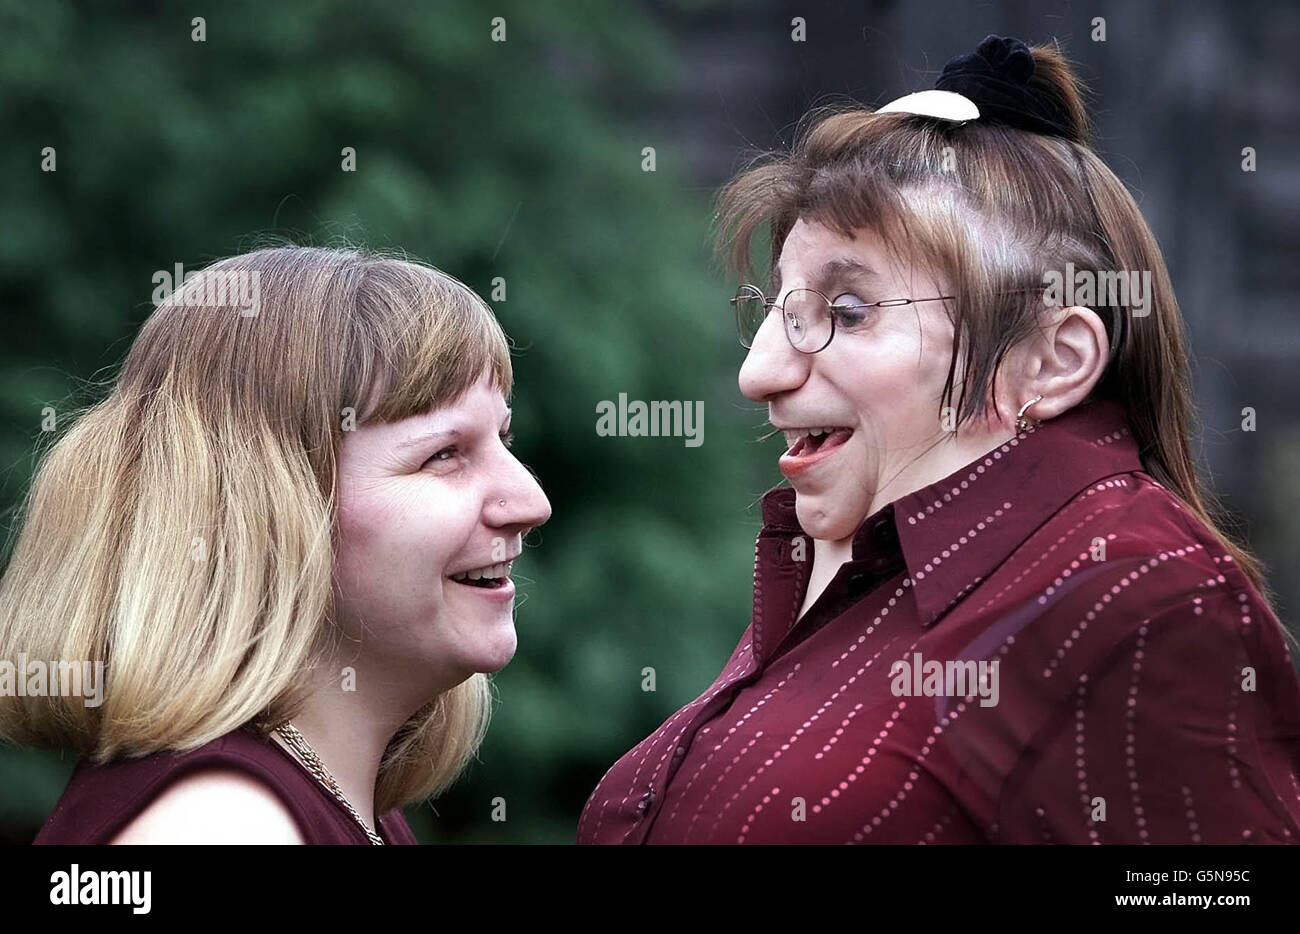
(1145, 693)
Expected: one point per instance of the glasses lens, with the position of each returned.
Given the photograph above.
(807, 320)
(751, 309)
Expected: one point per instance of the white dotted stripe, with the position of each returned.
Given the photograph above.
(757, 810)
(839, 731)
(988, 520)
(1045, 555)
(866, 829)
(1130, 748)
(1044, 829)
(1234, 774)
(1003, 650)
(1286, 831)
(647, 745)
(1110, 438)
(1080, 760)
(807, 724)
(939, 827)
(971, 535)
(1171, 497)
(1106, 598)
(861, 767)
(1113, 483)
(753, 741)
(730, 732)
(971, 478)
(1193, 825)
(898, 798)
(938, 730)
(862, 637)
(1075, 564)
(1130, 731)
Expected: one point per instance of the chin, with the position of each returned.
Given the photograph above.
(823, 521)
(497, 652)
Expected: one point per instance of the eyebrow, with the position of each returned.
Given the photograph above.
(420, 439)
(837, 270)
(446, 433)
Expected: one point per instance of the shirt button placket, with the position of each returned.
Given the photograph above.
(647, 800)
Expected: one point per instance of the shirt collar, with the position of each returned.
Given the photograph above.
(955, 532)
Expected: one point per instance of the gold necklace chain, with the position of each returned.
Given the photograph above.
(299, 744)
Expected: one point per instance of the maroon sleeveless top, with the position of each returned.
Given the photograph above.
(100, 800)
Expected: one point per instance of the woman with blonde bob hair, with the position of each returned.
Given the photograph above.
(286, 533)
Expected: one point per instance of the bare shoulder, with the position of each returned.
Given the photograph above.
(218, 805)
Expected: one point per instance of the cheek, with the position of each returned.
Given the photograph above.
(896, 369)
(413, 528)
(897, 385)
(366, 518)
(918, 362)
(361, 544)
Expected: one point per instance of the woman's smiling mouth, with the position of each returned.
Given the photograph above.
(490, 581)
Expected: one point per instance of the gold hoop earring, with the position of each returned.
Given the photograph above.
(1023, 423)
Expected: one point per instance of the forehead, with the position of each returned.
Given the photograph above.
(481, 406)
(816, 255)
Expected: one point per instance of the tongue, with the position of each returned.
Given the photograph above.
(837, 437)
(809, 445)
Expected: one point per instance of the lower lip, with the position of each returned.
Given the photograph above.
(503, 594)
(794, 467)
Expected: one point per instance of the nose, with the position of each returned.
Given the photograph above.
(526, 506)
(772, 366)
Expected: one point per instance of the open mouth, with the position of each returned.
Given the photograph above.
(492, 577)
(809, 447)
(816, 441)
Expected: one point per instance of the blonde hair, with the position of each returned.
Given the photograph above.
(991, 207)
(183, 529)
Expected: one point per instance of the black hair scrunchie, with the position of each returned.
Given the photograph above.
(996, 78)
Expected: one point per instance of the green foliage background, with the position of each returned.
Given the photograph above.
(519, 159)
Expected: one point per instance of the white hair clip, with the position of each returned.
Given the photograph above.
(946, 105)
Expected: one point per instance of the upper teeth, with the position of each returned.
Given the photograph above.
(492, 570)
(794, 434)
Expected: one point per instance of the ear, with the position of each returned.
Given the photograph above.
(1063, 362)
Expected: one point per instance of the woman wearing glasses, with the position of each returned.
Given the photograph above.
(287, 536)
(1010, 617)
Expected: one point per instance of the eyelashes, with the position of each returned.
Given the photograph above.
(451, 450)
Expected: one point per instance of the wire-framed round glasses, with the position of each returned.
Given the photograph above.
(808, 315)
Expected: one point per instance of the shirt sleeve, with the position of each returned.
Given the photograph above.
(1188, 731)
